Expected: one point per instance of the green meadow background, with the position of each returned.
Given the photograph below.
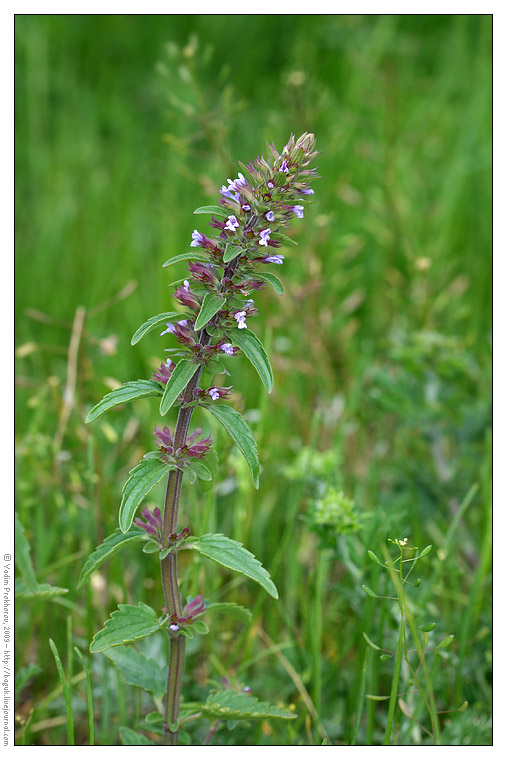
(379, 424)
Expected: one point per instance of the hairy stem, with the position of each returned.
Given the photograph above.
(174, 681)
(169, 567)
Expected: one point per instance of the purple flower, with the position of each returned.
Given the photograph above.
(174, 627)
(238, 184)
(184, 295)
(232, 223)
(164, 372)
(227, 194)
(217, 393)
(307, 191)
(191, 448)
(270, 216)
(284, 167)
(246, 207)
(153, 524)
(240, 317)
(298, 210)
(227, 348)
(264, 236)
(278, 259)
(193, 608)
(200, 240)
(270, 185)
(173, 329)
(198, 449)
(164, 438)
(197, 239)
(173, 537)
(202, 272)
(182, 330)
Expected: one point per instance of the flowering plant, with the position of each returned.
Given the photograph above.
(222, 273)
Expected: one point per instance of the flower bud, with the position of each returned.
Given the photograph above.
(280, 179)
(306, 142)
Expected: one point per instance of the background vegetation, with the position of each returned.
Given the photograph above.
(379, 423)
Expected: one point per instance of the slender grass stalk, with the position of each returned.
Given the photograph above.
(360, 696)
(395, 683)
(406, 617)
(69, 647)
(316, 631)
(89, 696)
(66, 693)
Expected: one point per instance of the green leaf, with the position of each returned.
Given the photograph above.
(128, 623)
(272, 279)
(376, 698)
(200, 627)
(228, 705)
(446, 642)
(151, 548)
(200, 469)
(180, 377)
(253, 349)
(108, 548)
(369, 591)
(283, 239)
(128, 392)
(215, 367)
(229, 608)
(425, 551)
(22, 555)
(192, 477)
(152, 323)
(42, 592)
(233, 555)
(427, 628)
(374, 557)
(211, 303)
(231, 252)
(154, 718)
(139, 670)
(129, 737)
(191, 255)
(237, 428)
(370, 642)
(217, 210)
(142, 479)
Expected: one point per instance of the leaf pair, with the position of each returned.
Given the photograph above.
(214, 546)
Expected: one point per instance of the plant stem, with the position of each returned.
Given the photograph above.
(399, 653)
(169, 571)
(394, 687)
(169, 567)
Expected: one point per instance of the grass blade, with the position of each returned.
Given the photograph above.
(66, 693)
(89, 696)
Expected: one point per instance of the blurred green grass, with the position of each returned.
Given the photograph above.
(380, 345)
